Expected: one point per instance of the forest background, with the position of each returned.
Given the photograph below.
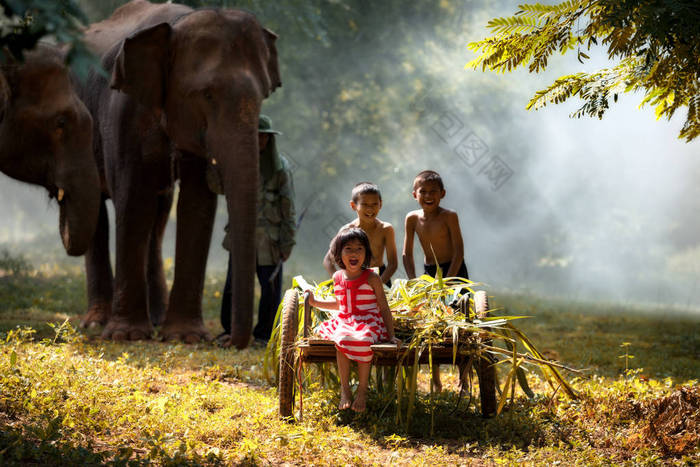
(584, 209)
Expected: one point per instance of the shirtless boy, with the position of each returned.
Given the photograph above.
(366, 202)
(439, 235)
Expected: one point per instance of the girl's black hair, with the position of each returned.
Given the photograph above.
(345, 236)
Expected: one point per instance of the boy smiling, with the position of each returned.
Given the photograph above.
(367, 202)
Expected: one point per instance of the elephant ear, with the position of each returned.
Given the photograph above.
(5, 95)
(8, 63)
(141, 67)
(273, 69)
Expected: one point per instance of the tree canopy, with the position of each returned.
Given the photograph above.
(655, 44)
(24, 22)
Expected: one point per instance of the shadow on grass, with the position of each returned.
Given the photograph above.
(40, 444)
(35, 300)
(447, 421)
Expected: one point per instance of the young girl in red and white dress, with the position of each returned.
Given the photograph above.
(363, 315)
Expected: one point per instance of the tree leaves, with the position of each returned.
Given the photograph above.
(656, 42)
(24, 22)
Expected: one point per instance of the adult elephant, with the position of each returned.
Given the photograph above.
(46, 139)
(184, 90)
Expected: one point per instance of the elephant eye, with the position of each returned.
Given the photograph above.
(208, 95)
(61, 121)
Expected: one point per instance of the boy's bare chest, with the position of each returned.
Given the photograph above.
(375, 234)
(376, 243)
(432, 229)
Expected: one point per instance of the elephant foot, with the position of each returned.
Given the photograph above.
(157, 313)
(156, 320)
(96, 316)
(224, 341)
(187, 333)
(124, 331)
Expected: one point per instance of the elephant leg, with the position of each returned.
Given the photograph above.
(157, 287)
(98, 270)
(196, 207)
(135, 205)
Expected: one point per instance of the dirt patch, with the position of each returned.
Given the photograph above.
(672, 423)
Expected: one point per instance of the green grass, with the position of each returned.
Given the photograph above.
(69, 398)
(665, 342)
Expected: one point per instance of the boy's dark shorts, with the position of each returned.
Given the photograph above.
(431, 269)
(382, 268)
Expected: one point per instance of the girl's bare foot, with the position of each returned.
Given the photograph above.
(360, 401)
(345, 400)
(437, 384)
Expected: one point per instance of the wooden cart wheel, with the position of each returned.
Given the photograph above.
(486, 371)
(288, 337)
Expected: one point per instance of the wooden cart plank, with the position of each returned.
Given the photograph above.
(321, 350)
(317, 341)
(390, 360)
(387, 355)
(384, 346)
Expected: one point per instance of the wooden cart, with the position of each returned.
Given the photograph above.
(317, 350)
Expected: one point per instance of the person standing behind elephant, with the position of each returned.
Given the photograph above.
(274, 235)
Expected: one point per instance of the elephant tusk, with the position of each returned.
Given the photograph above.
(60, 194)
(213, 161)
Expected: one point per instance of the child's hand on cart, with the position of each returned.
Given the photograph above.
(328, 305)
(309, 298)
(395, 340)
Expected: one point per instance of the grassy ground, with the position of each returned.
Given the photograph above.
(665, 342)
(69, 398)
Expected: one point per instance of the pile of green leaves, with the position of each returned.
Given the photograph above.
(656, 44)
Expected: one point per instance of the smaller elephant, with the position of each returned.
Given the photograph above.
(46, 139)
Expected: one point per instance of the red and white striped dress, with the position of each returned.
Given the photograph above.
(358, 323)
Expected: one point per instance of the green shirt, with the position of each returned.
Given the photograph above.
(276, 223)
(276, 226)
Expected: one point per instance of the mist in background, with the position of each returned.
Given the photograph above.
(586, 209)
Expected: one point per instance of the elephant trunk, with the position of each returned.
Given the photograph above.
(236, 155)
(78, 195)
